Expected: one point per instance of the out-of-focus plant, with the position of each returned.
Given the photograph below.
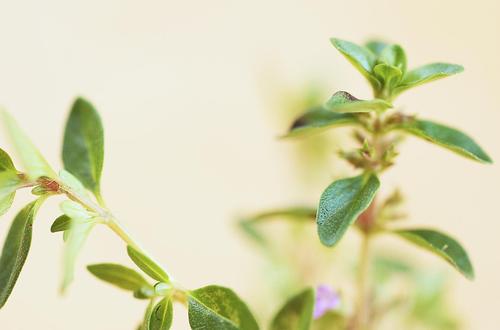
(378, 128)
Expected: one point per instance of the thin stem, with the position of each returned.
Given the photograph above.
(107, 217)
(362, 304)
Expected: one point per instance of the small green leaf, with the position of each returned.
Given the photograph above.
(215, 307)
(71, 182)
(427, 73)
(390, 75)
(341, 204)
(344, 102)
(6, 163)
(442, 245)
(318, 120)
(36, 166)
(75, 239)
(297, 313)
(9, 183)
(83, 148)
(395, 56)
(147, 315)
(361, 58)
(16, 248)
(76, 211)
(120, 276)
(376, 46)
(293, 213)
(162, 315)
(147, 265)
(62, 223)
(447, 137)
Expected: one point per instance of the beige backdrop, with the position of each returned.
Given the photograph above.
(183, 90)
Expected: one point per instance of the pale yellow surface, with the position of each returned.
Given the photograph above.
(183, 89)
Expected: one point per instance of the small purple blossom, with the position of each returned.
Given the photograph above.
(326, 299)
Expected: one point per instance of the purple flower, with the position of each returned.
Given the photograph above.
(326, 299)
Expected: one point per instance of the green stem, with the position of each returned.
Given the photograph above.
(107, 217)
(362, 304)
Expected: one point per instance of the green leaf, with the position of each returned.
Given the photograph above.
(427, 73)
(297, 313)
(16, 248)
(6, 163)
(341, 204)
(442, 245)
(318, 120)
(36, 166)
(447, 137)
(62, 223)
(83, 147)
(344, 102)
(147, 265)
(215, 307)
(75, 238)
(147, 315)
(361, 58)
(395, 56)
(162, 315)
(390, 75)
(376, 46)
(293, 213)
(76, 211)
(71, 182)
(9, 183)
(120, 276)
(330, 321)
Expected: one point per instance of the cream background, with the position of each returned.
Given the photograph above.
(181, 89)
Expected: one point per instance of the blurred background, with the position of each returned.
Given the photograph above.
(193, 96)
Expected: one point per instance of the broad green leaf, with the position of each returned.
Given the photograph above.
(83, 147)
(62, 223)
(147, 265)
(344, 102)
(376, 46)
(6, 163)
(447, 137)
(442, 245)
(361, 58)
(162, 315)
(296, 314)
(36, 166)
(75, 239)
(395, 56)
(16, 248)
(120, 276)
(427, 73)
(341, 204)
(318, 120)
(215, 307)
(9, 183)
(330, 321)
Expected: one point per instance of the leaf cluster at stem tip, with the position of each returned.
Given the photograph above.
(378, 129)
